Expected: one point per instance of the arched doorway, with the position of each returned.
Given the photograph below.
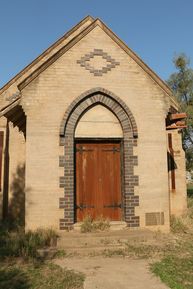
(98, 141)
(68, 126)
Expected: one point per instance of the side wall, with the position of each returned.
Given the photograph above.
(16, 193)
(12, 196)
(178, 197)
(3, 124)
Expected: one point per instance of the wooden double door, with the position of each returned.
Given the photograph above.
(98, 180)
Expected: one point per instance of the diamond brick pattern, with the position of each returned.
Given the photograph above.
(110, 62)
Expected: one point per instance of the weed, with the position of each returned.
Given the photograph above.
(89, 225)
(175, 267)
(105, 241)
(178, 225)
(175, 271)
(190, 190)
(134, 251)
(101, 224)
(190, 208)
(114, 252)
(142, 251)
(60, 254)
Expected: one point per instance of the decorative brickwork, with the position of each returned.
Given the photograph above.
(61, 180)
(127, 121)
(110, 62)
(61, 161)
(61, 203)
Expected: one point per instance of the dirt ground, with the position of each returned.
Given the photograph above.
(113, 273)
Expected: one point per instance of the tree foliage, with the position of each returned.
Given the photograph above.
(181, 82)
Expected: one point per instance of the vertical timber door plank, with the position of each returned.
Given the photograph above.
(86, 180)
(98, 180)
(111, 182)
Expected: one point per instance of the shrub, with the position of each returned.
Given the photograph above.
(21, 244)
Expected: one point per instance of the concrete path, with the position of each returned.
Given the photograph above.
(113, 273)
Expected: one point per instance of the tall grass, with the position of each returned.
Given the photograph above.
(175, 269)
(183, 224)
(21, 244)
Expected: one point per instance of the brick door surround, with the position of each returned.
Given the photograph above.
(67, 130)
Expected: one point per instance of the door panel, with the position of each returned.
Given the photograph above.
(110, 180)
(86, 179)
(98, 185)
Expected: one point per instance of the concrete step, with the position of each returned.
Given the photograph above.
(94, 250)
(76, 240)
(91, 245)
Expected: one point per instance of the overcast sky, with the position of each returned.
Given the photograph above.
(155, 29)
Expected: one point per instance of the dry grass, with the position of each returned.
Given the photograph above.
(175, 268)
(22, 268)
(38, 276)
(184, 224)
(25, 245)
(89, 225)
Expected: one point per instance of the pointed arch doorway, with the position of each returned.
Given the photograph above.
(98, 137)
(68, 137)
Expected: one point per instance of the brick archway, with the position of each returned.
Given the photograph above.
(67, 130)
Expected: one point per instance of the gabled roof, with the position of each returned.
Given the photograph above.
(91, 24)
(10, 106)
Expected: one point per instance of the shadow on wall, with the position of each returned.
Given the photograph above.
(16, 207)
(171, 162)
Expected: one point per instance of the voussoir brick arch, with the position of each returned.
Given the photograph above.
(104, 92)
(74, 112)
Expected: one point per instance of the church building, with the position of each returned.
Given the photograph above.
(88, 128)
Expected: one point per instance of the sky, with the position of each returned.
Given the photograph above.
(156, 30)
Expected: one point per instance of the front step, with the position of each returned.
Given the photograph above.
(86, 251)
(97, 242)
